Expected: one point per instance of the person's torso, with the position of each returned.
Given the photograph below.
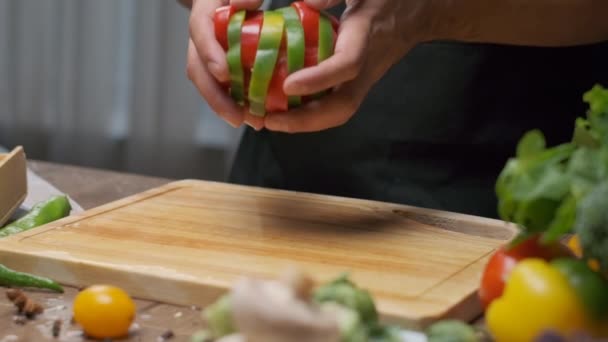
(437, 129)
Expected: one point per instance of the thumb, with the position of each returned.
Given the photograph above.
(247, 4)
(323, 4)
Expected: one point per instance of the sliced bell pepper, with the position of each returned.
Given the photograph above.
(295, 45)
(265, 61)
(220, 20)
(276, 100)
(233, 57)
(326, 39)
(309, 18)
(299, 48)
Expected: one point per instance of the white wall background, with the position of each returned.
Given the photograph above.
(103, 83)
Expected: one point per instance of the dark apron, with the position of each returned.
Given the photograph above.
(436, 131)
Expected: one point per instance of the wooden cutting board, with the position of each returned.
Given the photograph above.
(13, 182)
(187, 242)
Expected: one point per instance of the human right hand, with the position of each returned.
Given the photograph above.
(207, 67)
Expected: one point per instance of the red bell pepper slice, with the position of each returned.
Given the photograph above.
(221, 18)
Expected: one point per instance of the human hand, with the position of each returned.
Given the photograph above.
(207, 67)
(373, 36)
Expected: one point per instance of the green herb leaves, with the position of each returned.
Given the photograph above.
(552, 190)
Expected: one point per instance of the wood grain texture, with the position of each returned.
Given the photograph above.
(13, 182)
(187, 242)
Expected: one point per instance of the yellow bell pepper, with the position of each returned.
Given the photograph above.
(537, 298)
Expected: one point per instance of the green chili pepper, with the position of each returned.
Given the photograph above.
(326, 43)
(295, 45)
(55, 208)
(9, 277)
(233, 56)
(265, 60)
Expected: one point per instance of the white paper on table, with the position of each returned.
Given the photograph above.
(39, 190)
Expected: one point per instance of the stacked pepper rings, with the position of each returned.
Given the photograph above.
(264, 47)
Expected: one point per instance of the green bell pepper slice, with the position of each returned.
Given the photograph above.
(233, 57)
(296, 45)
(326, 43)
(265, 61)
(326, 38)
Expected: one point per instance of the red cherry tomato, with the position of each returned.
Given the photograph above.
(504, 260)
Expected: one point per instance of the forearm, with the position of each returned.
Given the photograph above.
(522, 22)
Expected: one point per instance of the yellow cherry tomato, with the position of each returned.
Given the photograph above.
(104, 311)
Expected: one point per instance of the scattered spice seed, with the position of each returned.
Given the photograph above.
(57, 328)
(24, 304)
(167, 335)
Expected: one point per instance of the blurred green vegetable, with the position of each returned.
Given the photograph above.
(556, 190)
(345, 292)
(451, 331)
(380, 333)
(592, 225)
(219, 317)
(354, 308)
(352, 328)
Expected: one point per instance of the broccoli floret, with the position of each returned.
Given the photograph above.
(219, 317)
(592, 224)
(346, 293)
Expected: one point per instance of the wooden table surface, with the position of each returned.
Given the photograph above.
(91, 188)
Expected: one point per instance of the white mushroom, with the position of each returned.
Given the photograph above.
(279, 311)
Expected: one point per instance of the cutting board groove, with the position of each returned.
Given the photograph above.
(187, 242)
